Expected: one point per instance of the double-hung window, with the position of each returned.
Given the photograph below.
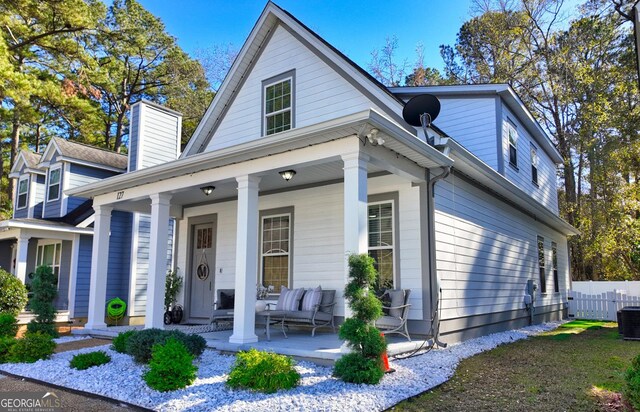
(49, 254)
(278, 101)
(541, 265)
(381, 243)
(275, 255)
(554, 266)
(512, 134)
(534, 165)
(23, 192)
(53, 191)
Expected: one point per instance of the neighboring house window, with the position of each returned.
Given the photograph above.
(554, 266)
(275, 254)
(541, 265)
(49, 254)
(512, 133)
(534, 165)
(381, 243)
(277, 106)
(23, 192)
(53, 192)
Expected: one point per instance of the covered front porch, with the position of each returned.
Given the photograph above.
(340, 168)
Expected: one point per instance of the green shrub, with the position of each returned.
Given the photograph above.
(140, 344)
(8, 324)
(263, 371)
(171, 367)
(84, 361)
(45, 290)
(13, 298)
(364, 364)
(31, 348)
(355, 368)
(632, 389)
(119, 343)
(6, 343)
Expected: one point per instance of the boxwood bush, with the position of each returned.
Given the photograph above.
(171, 366)
(84, 361)
(13, 298)
(31, 348)
(263, 371)
(8, 324)
(119, 343)
(6, 343)
(140, 344)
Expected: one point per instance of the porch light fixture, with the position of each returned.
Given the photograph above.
(287, 174)
(207, 190)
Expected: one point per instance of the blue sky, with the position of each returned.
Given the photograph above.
(354, 27)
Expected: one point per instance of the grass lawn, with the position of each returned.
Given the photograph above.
(572, 368)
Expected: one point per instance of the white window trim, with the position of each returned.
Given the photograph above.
(52, 169)
(535, 162)
(288, 254)
(511, 126)
(393, 235)
(46, 242)
(26, 202)
(264, 104)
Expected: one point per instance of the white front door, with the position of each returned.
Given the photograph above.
(203, 268)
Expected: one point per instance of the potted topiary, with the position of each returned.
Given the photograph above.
(173, 311)
(364, 364)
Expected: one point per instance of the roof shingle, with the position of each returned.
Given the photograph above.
(91, 154)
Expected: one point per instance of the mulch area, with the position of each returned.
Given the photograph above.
(71, 401)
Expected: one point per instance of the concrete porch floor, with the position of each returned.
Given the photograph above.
(324, 348)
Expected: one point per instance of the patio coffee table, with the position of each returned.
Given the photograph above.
(267, 314)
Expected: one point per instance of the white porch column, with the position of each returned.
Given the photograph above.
(99, 265)
(244, 319)
(355, 209)
(22, 246)
(160, 203)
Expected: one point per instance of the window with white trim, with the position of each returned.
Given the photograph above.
(49, 253)
(541, 265)
(512, 134)
(277, 106)
(275, 256)
(53, 185)
(381, 243)
(534, 165)
(23, 192)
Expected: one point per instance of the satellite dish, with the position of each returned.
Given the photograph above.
(420, 105)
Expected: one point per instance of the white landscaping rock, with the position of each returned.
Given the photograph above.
(122, 379)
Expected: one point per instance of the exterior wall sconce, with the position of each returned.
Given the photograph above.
(207, 190)
(287, 174)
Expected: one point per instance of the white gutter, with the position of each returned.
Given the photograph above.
(12, 224)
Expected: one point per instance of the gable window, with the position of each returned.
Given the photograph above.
(23, 192)
(381, 243)
(53, 191)
(275, 256)
(541, 265)
(554, 267)
(278, 103)
(534, 165)
(49, 254)
(512, 133)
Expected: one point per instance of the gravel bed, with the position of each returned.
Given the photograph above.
(66, 339)
(318, 391)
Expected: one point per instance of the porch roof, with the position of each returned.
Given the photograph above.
(39, 224)
(397, 139)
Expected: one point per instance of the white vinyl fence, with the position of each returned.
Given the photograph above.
(602, 306)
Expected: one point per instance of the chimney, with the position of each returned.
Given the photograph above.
(154, 135)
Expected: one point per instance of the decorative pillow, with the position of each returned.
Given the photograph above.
(227, 301)
(397, 299)
(289, 299)
(312, 297)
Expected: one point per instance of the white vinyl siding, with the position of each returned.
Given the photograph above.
(486, 251)
(471, 122)
(321, 94)
(23, 192)
(546, 190)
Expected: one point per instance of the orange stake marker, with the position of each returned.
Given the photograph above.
(385, 360)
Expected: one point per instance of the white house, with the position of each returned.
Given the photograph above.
(465, 215)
